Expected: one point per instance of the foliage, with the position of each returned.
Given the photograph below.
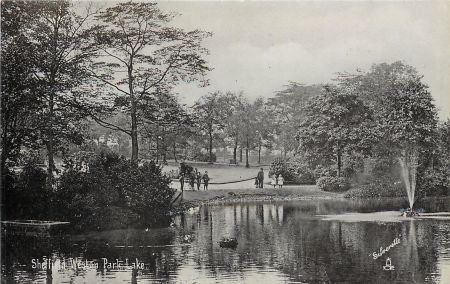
(286, 112)
(145, 57)
(376, 190)
(433, 182)
(185, 169)
(211, 112)
(336, 122)
(141, 193)
(166, 124)
(293, 170)
(205, 157)
(334, 184)
(26, 195)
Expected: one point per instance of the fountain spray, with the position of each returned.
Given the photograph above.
(409, 163)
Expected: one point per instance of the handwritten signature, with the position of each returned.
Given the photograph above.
(382, 250)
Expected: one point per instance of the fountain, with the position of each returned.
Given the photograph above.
(409, 162)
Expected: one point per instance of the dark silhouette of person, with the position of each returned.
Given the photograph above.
(205, 180)
(199, 180)
(182, 181)
(260, 177)
(192, 180)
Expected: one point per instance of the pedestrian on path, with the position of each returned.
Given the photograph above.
(205, 180)
(261, 177)
(199, 180)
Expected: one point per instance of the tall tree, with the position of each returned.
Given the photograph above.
(286, 109)
(144, 56)
(165, 122)
(264, 126)
(58, 48)
(234, 121)
(211, 112)
(335, 123)
(17, 82)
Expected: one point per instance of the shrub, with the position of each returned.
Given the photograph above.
(377, 190)
(280, 166)
(113, 193)
(321, 171)
(293, 170)
(26, 195)
(334, 184)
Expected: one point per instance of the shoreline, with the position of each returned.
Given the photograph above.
(222, 196)
(288, 193)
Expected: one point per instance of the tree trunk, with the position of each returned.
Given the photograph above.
(247, 165)
(157, 148)
(174, 151)
(240, 154)
(134, 122)
(235, 150)
(339, 162)
(134, 139)
(224, 153)
(259, 154)
(50, 143)
(5, 153)
(210, 147)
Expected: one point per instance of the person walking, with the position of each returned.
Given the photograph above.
(205, 180)
(199, 180)
(261, 177)
(280, 181)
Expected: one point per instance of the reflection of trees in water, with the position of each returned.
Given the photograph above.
(305, 249)
(271, 235)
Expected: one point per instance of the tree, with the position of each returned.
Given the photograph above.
(165, 122)
(211, 112)
(264, 126)
(17, 82)
(233, 121)
(286, 109)
(143, 56)
(58, 48)
(335, 123)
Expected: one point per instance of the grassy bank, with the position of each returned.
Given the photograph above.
(287, 193)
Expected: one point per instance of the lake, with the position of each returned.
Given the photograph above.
(277, 242)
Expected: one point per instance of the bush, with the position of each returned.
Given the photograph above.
(377, 190)
(280, 166)
(334, 184)
(293, 170)
(113, 193)
(26, 195)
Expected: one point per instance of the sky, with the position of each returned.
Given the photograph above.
(258, 47)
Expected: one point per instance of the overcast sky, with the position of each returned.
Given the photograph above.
(257, 47)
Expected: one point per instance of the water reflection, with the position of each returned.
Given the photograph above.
(277, 242)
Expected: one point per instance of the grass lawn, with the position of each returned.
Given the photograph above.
(244, 190)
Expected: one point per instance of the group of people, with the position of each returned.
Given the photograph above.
(276, 180)
(194, 177)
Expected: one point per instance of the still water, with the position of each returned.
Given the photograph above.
(277, 242)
